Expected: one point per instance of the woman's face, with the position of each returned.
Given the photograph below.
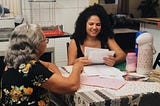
(43, 46)
(93, 26)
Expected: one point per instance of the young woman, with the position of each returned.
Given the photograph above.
(93, 29)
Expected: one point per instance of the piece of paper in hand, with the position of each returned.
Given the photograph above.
(96, 55)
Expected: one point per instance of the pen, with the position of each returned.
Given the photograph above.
(65, 69)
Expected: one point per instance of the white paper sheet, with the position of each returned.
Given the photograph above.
(96, 55)
(101, 71)
(100, 76)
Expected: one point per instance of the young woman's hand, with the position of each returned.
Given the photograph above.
(109, 60)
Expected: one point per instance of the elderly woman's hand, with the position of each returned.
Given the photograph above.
(84, 60)
(79, 65)
(109, 60)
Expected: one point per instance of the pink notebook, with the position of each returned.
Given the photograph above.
(103, 82)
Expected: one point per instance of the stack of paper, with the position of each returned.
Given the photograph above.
(96, 55)
(99, 70)
(101, 76)
(103, 71)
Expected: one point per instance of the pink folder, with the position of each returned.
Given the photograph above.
(103, 82)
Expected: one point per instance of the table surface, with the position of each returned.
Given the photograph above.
(89, 95)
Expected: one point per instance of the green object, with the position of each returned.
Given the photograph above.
(121, 66)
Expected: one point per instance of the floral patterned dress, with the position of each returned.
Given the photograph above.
(21, 87)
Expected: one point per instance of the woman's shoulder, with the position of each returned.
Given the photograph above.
(72, 42)
(25, 67)
(111, 40)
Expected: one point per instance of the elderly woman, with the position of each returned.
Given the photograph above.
(26, 79)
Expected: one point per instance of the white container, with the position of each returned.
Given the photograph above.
(145, 53)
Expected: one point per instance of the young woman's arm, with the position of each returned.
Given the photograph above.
(120, 55)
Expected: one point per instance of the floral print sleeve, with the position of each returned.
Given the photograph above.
(39, 74)
(21, 87)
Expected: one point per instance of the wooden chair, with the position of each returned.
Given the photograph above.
(157, 61)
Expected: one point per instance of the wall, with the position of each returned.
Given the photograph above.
(133, 5)
(61, 12)
(158, 9)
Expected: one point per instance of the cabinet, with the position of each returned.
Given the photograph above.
(6, 22)
(59, 56)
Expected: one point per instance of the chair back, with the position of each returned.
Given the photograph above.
(157, 61)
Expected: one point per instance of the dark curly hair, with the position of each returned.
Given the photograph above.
(80, 25)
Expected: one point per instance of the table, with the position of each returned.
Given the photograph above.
(133, 93)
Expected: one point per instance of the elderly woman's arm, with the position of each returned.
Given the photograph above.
(72, 55)
(52, 67)
(63, 85)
